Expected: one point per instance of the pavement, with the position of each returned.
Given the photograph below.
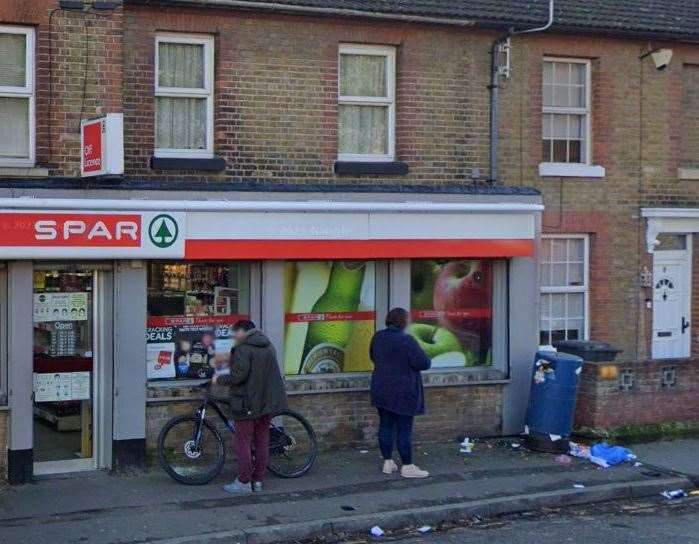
(344, 494)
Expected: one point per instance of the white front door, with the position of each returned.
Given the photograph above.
(671, 304)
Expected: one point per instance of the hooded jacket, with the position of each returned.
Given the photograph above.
(256, 384)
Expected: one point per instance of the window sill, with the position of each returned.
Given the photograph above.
(215, 164)
(23, 172)
(569, 170)
(688, 173)
(352, 168)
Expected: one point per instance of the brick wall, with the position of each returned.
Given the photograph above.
(78, 74)
(347, 418)
(276, 99)
(647, 393)
(690, 116)
(4, 442)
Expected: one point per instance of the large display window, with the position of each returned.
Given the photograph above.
(330, 316)
(191, 309)
(451, 308)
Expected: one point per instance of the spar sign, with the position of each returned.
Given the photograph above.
(66, 234)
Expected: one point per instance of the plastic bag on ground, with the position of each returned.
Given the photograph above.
(612, 455)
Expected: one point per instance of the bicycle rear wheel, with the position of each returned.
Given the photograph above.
(293, 447)
(187, 460)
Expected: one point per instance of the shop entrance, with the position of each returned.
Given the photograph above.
(67, 370)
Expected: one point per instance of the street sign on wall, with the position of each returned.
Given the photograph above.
(102, 145)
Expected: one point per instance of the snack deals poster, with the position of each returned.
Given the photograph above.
(451, 311)
(189, 346)
(330, 316)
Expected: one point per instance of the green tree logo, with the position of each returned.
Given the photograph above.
(163, 231)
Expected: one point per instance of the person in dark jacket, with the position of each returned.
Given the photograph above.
(396, 391)
(256, 394)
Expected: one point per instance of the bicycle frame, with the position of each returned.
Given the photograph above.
(201, 414)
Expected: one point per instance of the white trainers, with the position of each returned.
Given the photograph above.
(413, 471)
(389, 466)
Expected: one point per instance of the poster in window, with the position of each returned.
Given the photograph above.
(193, 347)
(451, 310)
(60, 307)
(329, 315)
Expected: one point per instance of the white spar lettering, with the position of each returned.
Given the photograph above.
(48, 230)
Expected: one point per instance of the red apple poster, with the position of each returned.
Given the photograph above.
(451, 303)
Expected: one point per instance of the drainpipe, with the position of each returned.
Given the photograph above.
(497, 72)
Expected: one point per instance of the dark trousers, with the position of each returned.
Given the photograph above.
(395, 429)
(252, 435)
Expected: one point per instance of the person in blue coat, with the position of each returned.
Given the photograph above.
(396, 391)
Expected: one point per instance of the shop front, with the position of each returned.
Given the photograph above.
(116, 309)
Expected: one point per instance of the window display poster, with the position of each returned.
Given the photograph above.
(177, 347)
(330, 316)
(60, 307)
(61, 386)
(451, 310)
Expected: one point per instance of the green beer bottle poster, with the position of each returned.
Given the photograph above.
(329, 316)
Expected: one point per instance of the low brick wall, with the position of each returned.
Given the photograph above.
(345, 417)
(4, 438)
(642, 393)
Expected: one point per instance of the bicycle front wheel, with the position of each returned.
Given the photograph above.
(293, 447)
(187, 458)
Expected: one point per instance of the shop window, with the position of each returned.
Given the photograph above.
(451, 307)
(184, 103)
(366, 96)
(191, 309)
(563, 277)
(330, 316)
(16, 96)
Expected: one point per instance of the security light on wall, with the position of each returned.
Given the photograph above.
(661, 58)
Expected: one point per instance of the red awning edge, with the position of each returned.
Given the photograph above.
(354, 249)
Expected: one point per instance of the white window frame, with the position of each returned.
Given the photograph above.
(28, 91)
(586, 111)
(564, 289)
(180, 92)
(390, 100)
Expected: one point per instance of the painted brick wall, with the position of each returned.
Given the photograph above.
(78, 74)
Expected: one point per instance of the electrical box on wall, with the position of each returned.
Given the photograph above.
(102, 145)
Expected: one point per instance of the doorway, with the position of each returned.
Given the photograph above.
(68, 370)
(671, 297)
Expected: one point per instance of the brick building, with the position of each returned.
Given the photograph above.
(312, 160)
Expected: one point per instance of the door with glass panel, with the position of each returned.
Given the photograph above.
(64, 370)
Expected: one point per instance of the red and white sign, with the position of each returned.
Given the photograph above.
(194, 320)
(63, 234)
(102, 145)
(330, 316)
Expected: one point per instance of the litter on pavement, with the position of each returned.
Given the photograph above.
(425, 529)
(377, 531)
(466, 446)
(579, 486)
(563, 459)
(674, 494)
(602, 454)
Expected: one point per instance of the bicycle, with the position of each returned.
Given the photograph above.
(191, 449)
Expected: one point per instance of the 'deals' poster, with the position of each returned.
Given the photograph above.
(189, 347)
